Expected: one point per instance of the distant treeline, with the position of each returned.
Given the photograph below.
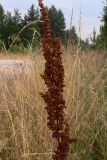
(15, 29)
(18, 32)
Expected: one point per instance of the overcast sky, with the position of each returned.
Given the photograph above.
(91, 10)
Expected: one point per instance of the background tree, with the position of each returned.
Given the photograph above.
(94, 36)
(71, 36)
(2, 16)
(102, 38)
(57, 22)
(11, 26)
(27, 34)
(17, 17)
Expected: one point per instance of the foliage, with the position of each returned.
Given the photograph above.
(2, 14)
(71, 36)
(57, 22)
(17, 48)
(11, 25)
(27, 34)
(101, 40)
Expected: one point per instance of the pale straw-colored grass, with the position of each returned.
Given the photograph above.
(23, 131)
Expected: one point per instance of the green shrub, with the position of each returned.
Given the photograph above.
(17, 48)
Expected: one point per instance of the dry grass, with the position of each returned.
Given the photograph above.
(13, 56)
(23, 131)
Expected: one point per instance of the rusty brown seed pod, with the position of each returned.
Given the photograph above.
(54, 79)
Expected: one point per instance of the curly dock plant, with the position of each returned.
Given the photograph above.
(54, 79)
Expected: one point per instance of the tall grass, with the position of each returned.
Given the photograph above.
(23, 124)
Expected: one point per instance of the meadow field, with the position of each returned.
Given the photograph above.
(23, 124)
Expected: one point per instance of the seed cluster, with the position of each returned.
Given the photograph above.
(54, 79)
